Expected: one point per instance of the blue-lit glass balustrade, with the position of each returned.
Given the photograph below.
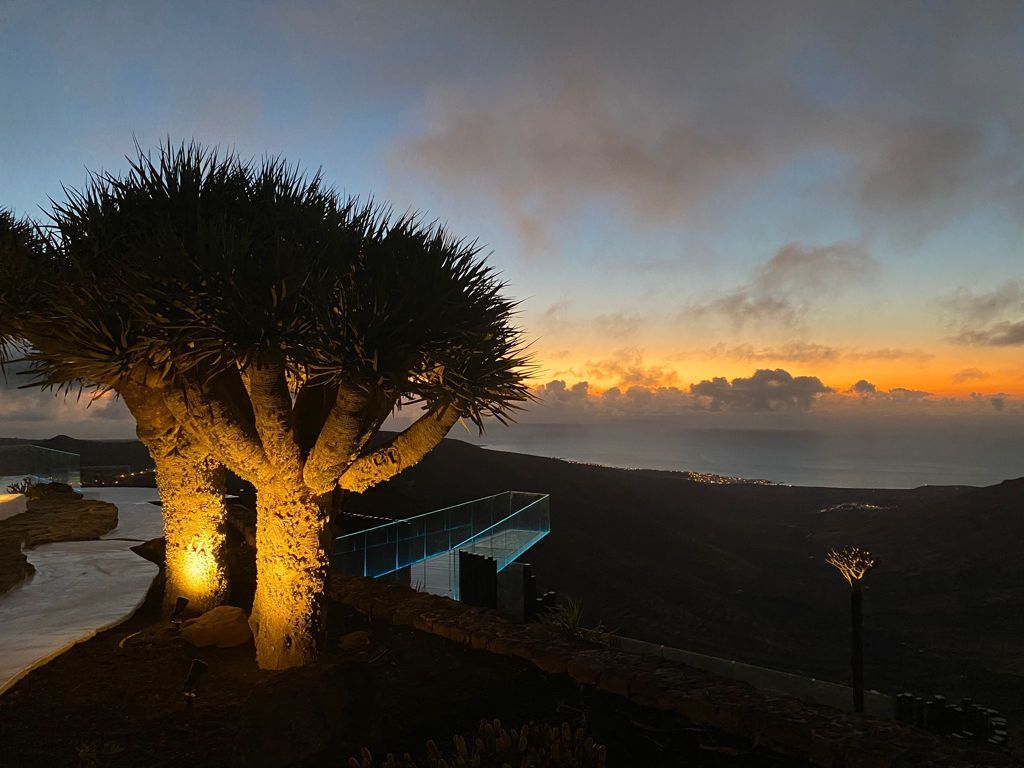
(503, 527)
(38, 464)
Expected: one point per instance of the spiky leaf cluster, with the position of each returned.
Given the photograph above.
(19, 275)
(194, 262)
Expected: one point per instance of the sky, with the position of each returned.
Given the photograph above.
(727, 208)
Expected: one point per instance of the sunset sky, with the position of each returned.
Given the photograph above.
(829, 193)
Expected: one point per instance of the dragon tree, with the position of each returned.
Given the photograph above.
(253, 319)
(853, 564)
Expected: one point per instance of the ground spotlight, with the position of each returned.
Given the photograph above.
(178, 615)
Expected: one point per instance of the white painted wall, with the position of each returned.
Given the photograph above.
(12, 504)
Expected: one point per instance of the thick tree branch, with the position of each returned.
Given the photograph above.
(272, 409)
(221, 423)
(154, 423)
(401, 452)
(353, 419)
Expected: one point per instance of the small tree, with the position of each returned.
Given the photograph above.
(252, 319)
(853, 563)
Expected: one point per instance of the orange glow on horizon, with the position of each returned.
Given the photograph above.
(945, 373)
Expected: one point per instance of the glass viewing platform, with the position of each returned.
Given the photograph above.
(425, 548)
(41, 465)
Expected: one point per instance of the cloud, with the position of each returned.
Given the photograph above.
(556, 316)
(619, 325)
(1004, 334)
(968, 374)
(889, 353)
(863, 392)
(578, 402)
(557, 392)
(36, 413)
(719, 400)
(626, 368)
(902, 393)
(676, 112)
(997, 401)
(766, 390)
(919, 167)
(993, 318)
(742, 306)
(810, 352)
(785, 287)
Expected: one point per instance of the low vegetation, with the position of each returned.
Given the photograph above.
(532, 746)
(567, 617)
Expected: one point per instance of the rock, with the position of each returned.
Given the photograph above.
(152, 550)
(224, 626)
(307, 712)
(353, 641)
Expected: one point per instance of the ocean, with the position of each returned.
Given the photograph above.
(894, 456)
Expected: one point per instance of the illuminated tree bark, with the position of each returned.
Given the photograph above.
(290, 568)
(191, 486)
(293, 498)
(192, 493)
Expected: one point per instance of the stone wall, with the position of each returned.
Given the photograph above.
(823, 736)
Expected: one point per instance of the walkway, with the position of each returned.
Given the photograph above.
(439, 575)
(79, 588)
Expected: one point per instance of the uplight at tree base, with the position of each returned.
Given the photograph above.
(196, 574)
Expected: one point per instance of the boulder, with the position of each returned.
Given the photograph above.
(305, 713)
(224, 626)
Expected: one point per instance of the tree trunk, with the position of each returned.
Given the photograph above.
(857, 647)
(192, 492)
(191, 486)
(290, 569)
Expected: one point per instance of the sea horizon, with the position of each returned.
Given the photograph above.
(875, 457)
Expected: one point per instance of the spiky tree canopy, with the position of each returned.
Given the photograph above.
(194, 270)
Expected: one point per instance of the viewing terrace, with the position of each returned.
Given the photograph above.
(425, 548)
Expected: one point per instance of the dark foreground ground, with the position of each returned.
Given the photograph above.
(739, 570)
(117, 700)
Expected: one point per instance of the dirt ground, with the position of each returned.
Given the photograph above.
(117, 700)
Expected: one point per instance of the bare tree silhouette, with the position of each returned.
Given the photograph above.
(854, 563)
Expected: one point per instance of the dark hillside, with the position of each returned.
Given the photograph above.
(739, 570)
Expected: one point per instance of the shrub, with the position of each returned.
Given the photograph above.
(533, 746)
(21, 486)
(568, 618)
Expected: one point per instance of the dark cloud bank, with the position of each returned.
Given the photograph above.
(993, 318)
(794, 399)
(671, 111)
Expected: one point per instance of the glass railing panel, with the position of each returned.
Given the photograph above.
(501, 526)
(411, 550)
(381, 559)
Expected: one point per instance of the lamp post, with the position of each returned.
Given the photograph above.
(853, 563)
